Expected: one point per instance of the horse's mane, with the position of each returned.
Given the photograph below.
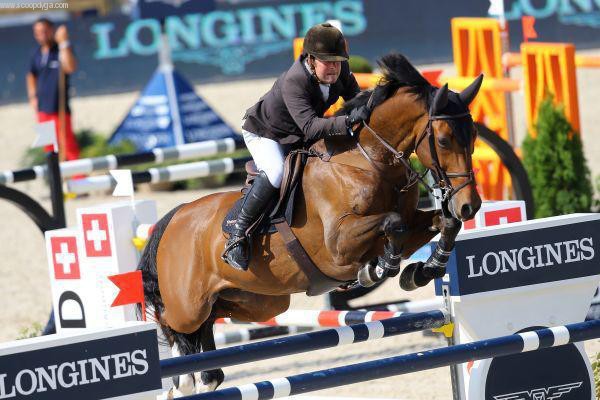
(398, 72)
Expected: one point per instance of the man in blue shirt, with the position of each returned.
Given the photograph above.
(48, 99)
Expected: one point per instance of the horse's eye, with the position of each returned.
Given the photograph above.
(444, 142)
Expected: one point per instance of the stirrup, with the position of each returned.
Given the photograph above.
(229, 246)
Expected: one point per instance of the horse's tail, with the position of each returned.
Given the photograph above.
(149, 270)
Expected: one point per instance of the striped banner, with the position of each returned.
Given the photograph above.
(158, 155)
(392, 366)
(302, 343)
(317, 318)
(166, 174)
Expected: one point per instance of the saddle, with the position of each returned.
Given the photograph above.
(278, 217)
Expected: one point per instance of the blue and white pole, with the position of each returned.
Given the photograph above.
(383, 368)
(302, 343)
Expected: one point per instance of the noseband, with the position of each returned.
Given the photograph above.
(442, 178)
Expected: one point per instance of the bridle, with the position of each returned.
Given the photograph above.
(443, 189)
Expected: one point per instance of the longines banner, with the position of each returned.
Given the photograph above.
(520, 258)
(238, 39)
(113, 363)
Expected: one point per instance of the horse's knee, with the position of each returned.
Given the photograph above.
(393, 225)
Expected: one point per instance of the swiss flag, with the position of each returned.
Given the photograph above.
(95, 235)
(64, 257)
(504, 216)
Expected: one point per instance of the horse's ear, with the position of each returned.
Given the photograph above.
(440, 100)
(467, 95)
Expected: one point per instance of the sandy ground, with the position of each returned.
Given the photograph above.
(24, 273)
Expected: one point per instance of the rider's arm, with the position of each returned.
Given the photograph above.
(297, 101)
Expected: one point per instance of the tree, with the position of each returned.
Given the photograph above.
(556, 165)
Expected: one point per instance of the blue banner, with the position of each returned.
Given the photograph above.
(243, 39)
(162, 8)
(91, 369)
(520, 258)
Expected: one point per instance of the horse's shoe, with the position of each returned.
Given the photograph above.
(419, 274)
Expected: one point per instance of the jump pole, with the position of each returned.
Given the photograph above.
(303, 343)
(404, 364)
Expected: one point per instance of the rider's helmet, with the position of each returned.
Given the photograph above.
(326, 43)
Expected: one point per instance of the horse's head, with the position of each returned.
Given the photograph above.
(445, 147)
(408, 113)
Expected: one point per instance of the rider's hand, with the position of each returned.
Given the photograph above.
(357, 116)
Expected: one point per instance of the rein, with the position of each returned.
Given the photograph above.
(442, 177)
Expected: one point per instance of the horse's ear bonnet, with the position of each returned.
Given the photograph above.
(467, 95)
(440, 100)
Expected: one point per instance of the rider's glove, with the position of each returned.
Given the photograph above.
(358, 115)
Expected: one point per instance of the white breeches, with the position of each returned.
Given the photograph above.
(268, 156)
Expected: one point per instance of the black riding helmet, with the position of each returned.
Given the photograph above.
(326, 43)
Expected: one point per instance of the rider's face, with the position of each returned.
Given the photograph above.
(328, 71)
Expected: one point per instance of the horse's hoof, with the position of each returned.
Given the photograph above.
(212, 379)
(183, 385)
(412, 277)
(370, 275)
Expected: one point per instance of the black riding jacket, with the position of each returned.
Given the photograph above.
(291, 113)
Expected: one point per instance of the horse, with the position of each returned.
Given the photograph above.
(349, 211)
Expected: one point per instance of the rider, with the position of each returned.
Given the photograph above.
(290, 115)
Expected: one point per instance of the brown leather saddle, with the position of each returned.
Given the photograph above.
(279, 217)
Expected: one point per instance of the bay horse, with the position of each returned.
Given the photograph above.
(348, 211)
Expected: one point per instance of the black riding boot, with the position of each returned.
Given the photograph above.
(237, 249)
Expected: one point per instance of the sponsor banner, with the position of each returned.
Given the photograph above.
(253, 38)
(502, 259)
(101, 365)
(163, 8)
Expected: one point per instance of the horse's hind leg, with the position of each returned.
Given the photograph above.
(213, 378)
(184, 344)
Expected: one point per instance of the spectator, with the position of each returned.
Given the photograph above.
(48, 83)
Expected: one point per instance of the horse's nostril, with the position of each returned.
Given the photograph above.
(466, 211)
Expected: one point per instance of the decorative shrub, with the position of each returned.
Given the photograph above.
(556, 165)
(360, 64)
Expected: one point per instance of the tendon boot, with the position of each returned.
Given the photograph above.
(237, 250)
(384, 266)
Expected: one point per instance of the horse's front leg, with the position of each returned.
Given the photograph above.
(420, 274)
(352, 240)
(396, 233)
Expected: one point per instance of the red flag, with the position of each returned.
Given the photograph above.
(528, 23)
(432, 76)
(131, 290)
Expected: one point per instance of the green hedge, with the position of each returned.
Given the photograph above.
(360, 64)
(556, 165)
